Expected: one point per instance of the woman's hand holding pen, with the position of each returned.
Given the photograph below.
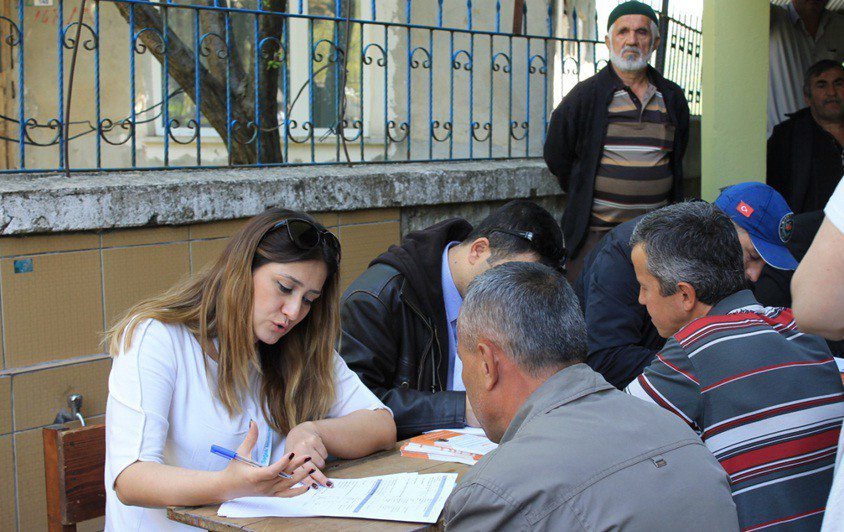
(243, 480)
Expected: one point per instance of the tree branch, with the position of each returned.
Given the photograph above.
(182, 68)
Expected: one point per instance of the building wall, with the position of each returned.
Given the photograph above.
(6, 94)
(735, 74)
(481, 95)
(41, 75)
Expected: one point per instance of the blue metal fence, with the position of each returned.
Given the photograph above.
(683, 62)
(209, 83)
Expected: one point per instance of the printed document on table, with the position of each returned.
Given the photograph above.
(402, 497)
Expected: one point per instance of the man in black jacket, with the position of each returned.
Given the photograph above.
(398, 318)
(616, 142)
(621, 338)
(805, 155)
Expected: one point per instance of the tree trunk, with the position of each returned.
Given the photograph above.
(213, 81)
(518, 16)
(270, 26)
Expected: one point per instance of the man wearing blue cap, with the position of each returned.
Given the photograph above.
(616, 141)
(768, 226)
(622, 339)
(765, 397)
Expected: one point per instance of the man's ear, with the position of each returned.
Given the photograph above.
(688, 296)
(489, 354)
(478, 250)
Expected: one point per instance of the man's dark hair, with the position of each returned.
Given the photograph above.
(695, 243)
(522, 217)
(530, 311)
(816, 70)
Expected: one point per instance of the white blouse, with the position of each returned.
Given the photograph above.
(162, 408)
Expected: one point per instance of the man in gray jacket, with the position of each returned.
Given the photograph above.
(575, 453)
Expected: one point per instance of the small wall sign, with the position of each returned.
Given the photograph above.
(23, 266)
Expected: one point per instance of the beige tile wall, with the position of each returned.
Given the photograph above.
(68, 288)
(7, 484)
(53, 311)
(363, 237)
(29, 469)
(5, 405)
(39, 395)
(134, 273)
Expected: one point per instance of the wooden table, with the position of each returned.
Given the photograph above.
(384, 463)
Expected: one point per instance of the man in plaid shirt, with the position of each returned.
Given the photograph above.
(765, 398)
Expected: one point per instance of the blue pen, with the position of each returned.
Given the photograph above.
(231, 455)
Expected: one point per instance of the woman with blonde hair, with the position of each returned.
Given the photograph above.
(241, 356)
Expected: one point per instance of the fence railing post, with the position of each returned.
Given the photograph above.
(223, 91)
(663, 41)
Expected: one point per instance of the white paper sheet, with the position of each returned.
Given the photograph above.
(470, 443)
(477, 431)
(402, 497)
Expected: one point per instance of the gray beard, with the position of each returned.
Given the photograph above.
(630, 65)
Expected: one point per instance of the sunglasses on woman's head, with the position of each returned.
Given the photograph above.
(306, 236)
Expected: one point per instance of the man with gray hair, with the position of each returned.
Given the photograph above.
(766, 398)
(622, 339)
(616, 141)
(575, 453)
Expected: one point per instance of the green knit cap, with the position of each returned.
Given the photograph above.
(631, 8)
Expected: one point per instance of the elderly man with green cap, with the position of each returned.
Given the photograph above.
(616, 141)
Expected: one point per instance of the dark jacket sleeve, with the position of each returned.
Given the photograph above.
(370, 343)
(779, 163)
(681, 141)
(615, 319)
(561, 140)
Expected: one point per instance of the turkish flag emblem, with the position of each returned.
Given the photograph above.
(745, 209)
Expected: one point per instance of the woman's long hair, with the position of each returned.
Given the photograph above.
(297, 375)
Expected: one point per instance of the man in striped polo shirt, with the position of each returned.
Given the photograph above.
(616, 142)
(765, 398)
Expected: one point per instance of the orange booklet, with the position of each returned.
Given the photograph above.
(449, 446)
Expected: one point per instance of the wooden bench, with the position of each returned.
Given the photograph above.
(74, 464)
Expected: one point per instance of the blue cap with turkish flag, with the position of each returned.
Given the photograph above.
(764, 214)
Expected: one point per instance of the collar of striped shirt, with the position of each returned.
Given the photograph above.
(618, 84)
(741, 299)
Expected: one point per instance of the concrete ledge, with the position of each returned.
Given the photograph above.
(54, 203)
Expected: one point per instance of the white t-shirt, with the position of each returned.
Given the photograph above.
(162, 408)
(834, 210)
